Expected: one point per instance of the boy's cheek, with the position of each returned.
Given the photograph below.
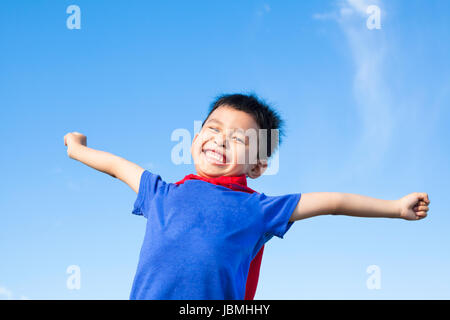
(202, 138)
(242, 157)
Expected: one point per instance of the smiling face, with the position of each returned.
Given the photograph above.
(222, 147)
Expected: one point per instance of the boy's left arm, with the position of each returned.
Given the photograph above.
(413, 206)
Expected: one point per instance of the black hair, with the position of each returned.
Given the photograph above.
(265, 116)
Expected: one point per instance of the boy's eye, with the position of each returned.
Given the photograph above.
(238, 139)
(214, 129)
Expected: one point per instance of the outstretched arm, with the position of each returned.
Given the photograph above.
(106, 162)
(413, 206)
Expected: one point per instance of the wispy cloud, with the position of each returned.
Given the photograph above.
(6, 294)
(359, 6)
(263, 10)
(326, 16)
(368, 49)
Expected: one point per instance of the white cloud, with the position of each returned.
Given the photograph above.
(325, 16)
(359, 6)
(265, 9)
(346, 9)
(368, 49)
(5, 294)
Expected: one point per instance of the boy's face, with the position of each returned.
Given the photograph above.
(222, 148)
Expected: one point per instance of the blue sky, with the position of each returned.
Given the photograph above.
(366, 111)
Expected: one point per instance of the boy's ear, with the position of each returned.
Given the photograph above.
(258, 169)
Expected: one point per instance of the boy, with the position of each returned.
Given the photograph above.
(201, 236)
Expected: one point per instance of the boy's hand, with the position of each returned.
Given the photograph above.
(414, 206)
(73, 139)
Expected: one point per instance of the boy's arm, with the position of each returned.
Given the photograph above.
(106, 162)
(315, 204)
(413, 206)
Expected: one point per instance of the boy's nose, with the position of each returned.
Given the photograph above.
(220, 140)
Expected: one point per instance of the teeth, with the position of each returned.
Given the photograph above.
(214, 155)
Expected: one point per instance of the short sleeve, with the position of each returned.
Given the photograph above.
(277, 210)
(149, 186)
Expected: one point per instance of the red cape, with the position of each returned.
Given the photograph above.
(237, 183)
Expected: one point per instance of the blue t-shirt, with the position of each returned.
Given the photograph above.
(201, 237)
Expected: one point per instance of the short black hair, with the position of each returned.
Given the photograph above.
(265, 115)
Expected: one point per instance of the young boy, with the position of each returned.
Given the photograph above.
(202, 234)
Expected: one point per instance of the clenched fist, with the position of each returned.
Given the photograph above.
(74, 139)
(414, 206)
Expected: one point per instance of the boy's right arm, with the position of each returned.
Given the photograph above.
(106, 162)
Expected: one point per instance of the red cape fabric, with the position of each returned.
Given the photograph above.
(237, 183)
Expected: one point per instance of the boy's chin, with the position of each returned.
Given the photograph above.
(219, 172)
(211, 170)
